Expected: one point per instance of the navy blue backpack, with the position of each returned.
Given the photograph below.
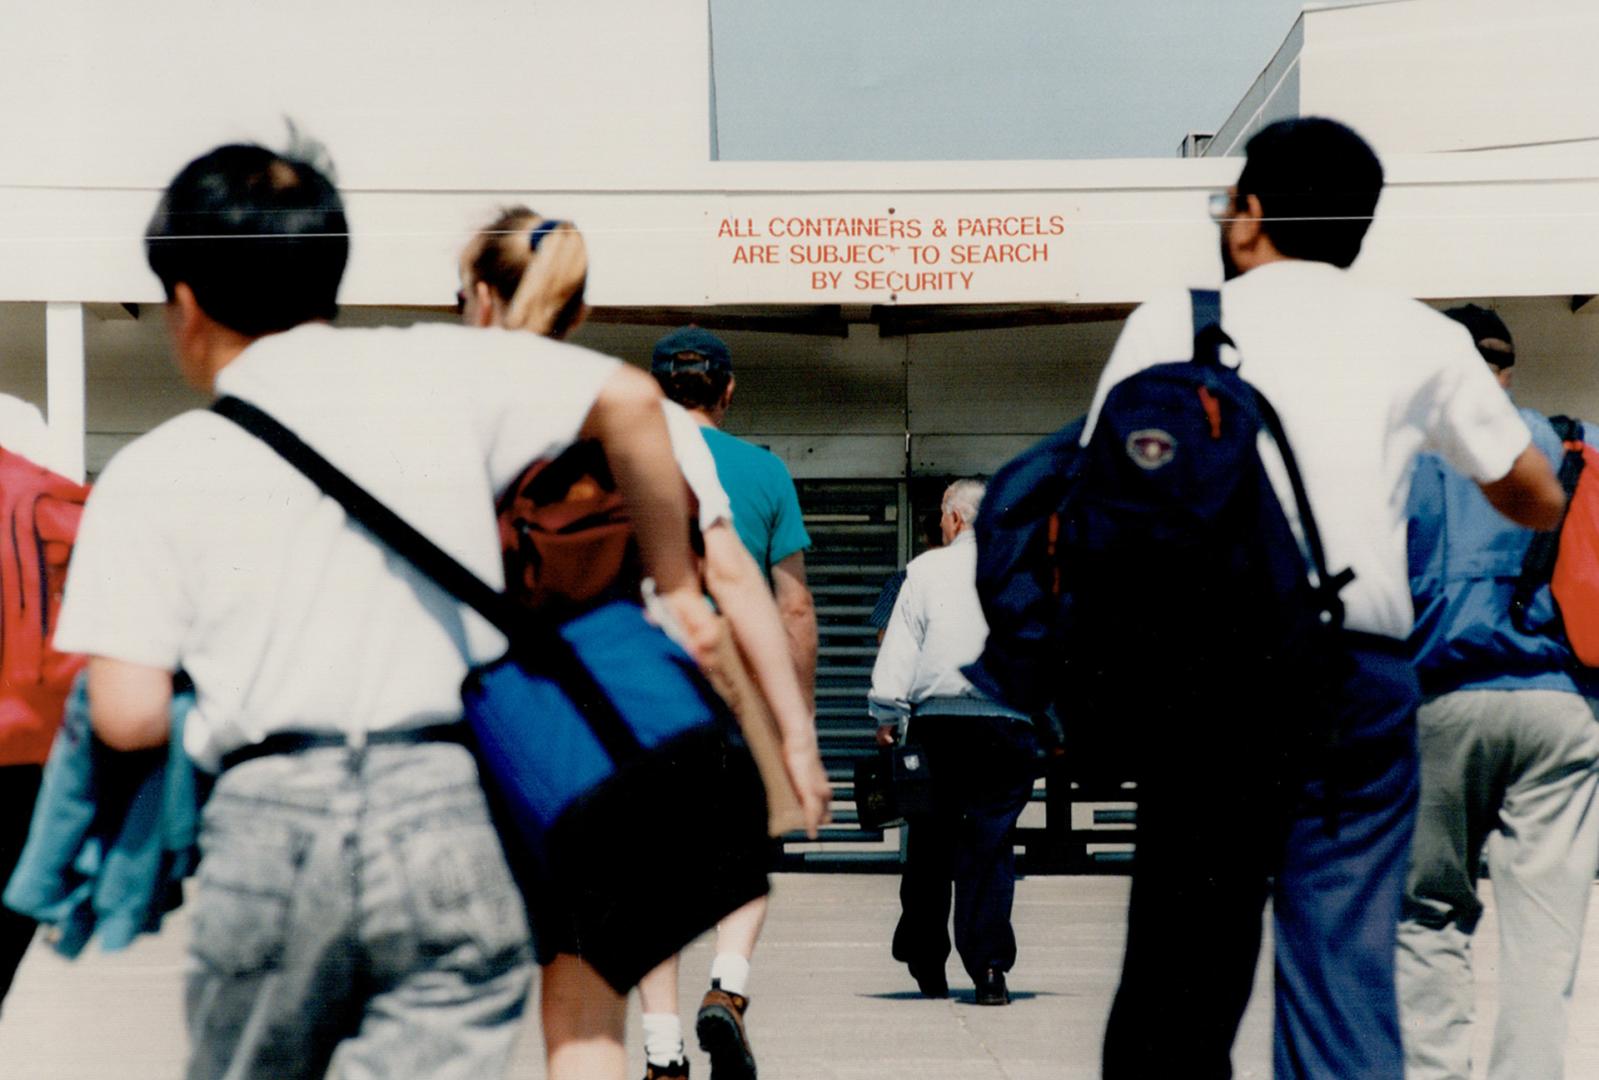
(1153, 574)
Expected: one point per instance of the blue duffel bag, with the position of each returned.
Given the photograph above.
(617, 765)
(606, 756)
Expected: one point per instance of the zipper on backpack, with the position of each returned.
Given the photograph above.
(1212, 410)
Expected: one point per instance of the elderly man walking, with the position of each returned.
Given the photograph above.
(980, 756)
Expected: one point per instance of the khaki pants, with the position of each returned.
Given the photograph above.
(1513, 775)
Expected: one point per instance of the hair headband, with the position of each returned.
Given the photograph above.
(540, 231)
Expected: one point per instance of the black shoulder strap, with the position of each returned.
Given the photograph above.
(1538, 565)
(378, 519)
(1209, 337)
(531, 638)
(1328, 584)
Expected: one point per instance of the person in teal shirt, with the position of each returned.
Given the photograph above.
(766, 510)
(695, 369)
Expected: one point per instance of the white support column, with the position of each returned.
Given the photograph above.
(65, 383)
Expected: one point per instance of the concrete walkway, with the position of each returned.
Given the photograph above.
(828, 1002)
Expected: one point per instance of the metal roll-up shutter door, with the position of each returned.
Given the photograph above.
(857, 542)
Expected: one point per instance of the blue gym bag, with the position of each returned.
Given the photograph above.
(606, 756)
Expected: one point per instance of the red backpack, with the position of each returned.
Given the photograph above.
(39, 513)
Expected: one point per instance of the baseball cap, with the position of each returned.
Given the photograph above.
(1485, 326)
(712, 351)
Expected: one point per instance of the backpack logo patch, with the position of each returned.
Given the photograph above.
(1151, 448)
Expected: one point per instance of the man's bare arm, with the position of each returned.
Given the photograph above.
(1529, 494)
(130, 705)
(798, 612)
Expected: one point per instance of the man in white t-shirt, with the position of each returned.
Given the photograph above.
(1364, 381)
(353, 904)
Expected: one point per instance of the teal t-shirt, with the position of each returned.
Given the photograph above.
(766, 510)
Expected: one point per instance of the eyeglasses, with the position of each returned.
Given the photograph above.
(460, 301)
(1220, 206)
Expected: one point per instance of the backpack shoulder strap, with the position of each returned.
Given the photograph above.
(1209, 337)
(400, 535)
(1538, 565)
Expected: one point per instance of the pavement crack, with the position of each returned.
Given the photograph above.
(960, 1018)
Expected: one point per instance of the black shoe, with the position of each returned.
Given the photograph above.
(991, 989)
(930, 980)
(720, 1026)
(677, 1070)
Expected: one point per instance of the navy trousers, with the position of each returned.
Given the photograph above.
(1217, 835)
(982, 774)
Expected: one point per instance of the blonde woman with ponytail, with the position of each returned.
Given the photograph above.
(526, 272)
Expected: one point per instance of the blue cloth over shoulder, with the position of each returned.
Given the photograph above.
(113, 834)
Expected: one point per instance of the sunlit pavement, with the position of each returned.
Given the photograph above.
(827, 1000)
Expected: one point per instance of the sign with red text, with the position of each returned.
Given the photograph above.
(892, 255)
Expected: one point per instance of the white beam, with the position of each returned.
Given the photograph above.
(65, 380)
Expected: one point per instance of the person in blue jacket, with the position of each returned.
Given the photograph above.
(1509, 771)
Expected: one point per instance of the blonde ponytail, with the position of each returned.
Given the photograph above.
(541, 288)
(552, 284)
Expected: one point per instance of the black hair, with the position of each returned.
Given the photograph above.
(1317, 182)
(259, 237)
(694, 388)
(1484, 325)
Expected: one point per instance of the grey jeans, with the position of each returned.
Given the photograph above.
(354, 917)
(1514, 775)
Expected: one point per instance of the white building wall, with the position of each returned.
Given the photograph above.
(409, 94)
(1425, 76)
(435, 122)
(1453, 75)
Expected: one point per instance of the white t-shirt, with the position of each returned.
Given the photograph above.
(202, 549)
(1364, 381)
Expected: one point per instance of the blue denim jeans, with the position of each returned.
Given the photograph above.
(1217, 836)
(354, 917)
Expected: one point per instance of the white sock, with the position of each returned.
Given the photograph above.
(732, 972)
(663, 1038)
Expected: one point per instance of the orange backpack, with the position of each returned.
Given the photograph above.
(1567, 558)
(39, 512)
(1575, 579)
(565, 535)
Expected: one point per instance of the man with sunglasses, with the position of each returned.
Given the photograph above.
(1364, 381)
